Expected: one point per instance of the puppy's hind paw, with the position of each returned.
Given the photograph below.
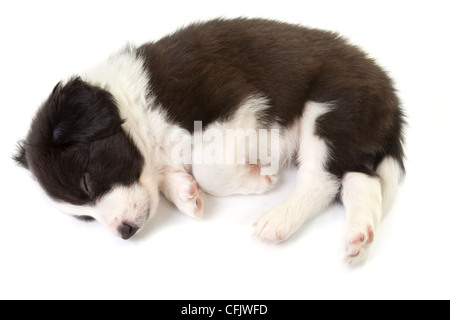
(258, 182)
(276, 225)
(357, 246)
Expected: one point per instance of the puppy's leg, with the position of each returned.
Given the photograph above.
(362, 198)
(182, 189)
(316, 188)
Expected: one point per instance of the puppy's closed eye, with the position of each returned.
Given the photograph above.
(85, 218)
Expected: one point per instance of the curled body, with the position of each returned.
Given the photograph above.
(221, 107)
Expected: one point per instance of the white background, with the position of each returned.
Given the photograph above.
(46, 254)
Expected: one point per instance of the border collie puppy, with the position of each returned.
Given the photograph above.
(220, 107)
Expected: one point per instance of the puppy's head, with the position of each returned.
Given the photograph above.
(81, 156)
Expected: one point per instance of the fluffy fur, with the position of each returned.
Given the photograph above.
(107, 141)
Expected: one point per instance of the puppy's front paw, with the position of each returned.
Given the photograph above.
(190, 198)
(357, 245)
(182, 189)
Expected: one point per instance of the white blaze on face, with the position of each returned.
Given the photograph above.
(129, 205)
(132, 205)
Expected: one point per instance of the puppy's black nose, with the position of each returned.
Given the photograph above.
(127, 231)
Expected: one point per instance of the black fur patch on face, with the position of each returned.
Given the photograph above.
(76, 147)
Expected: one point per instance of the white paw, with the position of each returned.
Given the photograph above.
(357, 244)
(260, 183)
(277, 224)
(187, 195)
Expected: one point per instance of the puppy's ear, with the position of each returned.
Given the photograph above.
(79, 112)
(20, 156)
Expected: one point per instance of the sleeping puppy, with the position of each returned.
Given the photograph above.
(221, 107)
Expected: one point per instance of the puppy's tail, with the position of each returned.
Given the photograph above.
(391, 171)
